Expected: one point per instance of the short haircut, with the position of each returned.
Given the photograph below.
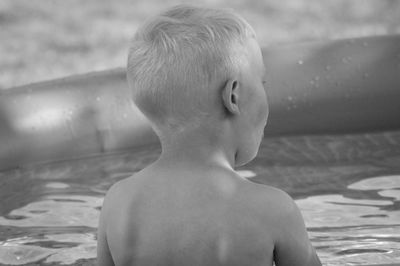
(175, 58)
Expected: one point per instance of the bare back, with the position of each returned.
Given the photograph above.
(189, 219)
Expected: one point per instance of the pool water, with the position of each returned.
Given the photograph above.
(347, 187)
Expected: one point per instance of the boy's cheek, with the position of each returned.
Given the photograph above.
(262, 104)
(262, 115)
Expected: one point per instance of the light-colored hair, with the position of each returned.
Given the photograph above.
(177, 56)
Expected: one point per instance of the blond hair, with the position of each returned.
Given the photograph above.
(176, 57)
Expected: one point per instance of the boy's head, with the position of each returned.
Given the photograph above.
(191, 66)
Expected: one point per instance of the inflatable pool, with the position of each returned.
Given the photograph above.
(338, 86)
(332, 142)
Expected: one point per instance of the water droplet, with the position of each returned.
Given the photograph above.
(365, 75)
(300, 62)
(365, 44)
(98, 98)
(125, 115)
(314, 81)
(290, 98)
(70, 128)
(346, 59)
(327, 68)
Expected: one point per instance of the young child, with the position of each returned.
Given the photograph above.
(197, 75)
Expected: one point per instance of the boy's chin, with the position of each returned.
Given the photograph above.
(244, 158)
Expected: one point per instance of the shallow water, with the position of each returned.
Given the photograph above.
(348, 188)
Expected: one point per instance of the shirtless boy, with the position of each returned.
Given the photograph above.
(197, 75)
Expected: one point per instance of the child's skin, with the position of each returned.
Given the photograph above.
(191, 208)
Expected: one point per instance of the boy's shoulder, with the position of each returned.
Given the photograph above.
(282, 201)
(273, 203)
(277, 198)
(292, 245)
(116, 194)
(116, 189)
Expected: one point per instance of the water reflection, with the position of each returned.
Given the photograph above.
(356, 230)
(56, 229)
(346, 186)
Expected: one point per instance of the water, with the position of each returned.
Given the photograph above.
(348, 188)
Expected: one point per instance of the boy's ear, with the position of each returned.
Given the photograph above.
(230, 96)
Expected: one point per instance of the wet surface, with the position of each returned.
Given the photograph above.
(347, 186)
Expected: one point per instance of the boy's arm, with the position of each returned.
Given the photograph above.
(103, 252)
(292, 246)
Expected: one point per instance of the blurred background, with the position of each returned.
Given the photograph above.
(47, 39)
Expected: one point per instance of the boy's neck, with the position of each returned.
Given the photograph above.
(197, 148)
